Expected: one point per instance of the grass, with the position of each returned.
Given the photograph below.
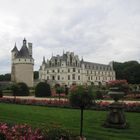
(69, 118)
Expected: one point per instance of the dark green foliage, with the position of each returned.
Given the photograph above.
(5, 77)
(59, 89)
(20, 89)
(36, 75)
(2, 136)
(57, 133)
(81, 97)
(99, 94)
(42, 90)
(128, 70)
(1, 95)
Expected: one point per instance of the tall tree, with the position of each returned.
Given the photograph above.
(128, 70)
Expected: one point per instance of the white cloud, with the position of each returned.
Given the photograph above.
(99, 30)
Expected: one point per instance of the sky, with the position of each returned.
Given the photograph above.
(100, 31)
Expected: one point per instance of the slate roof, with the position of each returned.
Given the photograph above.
(14, 49)
(24, 52)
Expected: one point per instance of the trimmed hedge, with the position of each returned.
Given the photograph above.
(42, 90)
(20, 89)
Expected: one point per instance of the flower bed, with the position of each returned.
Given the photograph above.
(100, 105)
(19, 132)
(43, 102)
(26, 132)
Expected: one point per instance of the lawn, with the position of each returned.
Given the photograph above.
(69, 118)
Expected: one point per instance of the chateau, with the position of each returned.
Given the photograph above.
(68, 69)
(22, 64)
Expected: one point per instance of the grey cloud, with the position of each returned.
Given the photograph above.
(99, 30)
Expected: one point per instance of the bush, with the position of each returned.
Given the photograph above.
(58, 133)
(20, 89)
(1, 94)
(42, 90)
(99, 94)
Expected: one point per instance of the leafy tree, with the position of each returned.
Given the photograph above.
(1, 94)
(36, 75)
(59, 89)
(82, 97)
(128, 70)
(5, 77)
(42, 90)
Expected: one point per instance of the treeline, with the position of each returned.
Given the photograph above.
(7, 77)
(128, 70)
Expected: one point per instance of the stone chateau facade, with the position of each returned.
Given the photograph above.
(22, 64)
(68, 69)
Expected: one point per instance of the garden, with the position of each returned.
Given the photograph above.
(75, 113)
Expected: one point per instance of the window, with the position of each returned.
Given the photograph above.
(47, 77)
(58, 77)
(68, 77)
(58, 71)
(68, 70)
(73, 69)
(53, 78)
(73, 77)
(53, 71)
(47, 71)
(78, 71)
(78, 77)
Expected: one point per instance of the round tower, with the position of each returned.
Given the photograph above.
(22, 65)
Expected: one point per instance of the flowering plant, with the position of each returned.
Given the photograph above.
(118, 85)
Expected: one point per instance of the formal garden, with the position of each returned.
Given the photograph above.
(92, 112)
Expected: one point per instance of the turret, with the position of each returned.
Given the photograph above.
(24, 42)
(14, 52)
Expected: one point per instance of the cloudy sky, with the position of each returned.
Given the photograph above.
(98, 30)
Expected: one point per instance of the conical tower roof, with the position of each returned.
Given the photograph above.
(14, 49)
(24, 52)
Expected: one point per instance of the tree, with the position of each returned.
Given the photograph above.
(81, 96)
(59, 89)
(36, 75)
(5, 77)
(1, 94)
(128, 70)
(42, 90)
(20, 89)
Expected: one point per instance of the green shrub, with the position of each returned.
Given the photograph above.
(99, 94)
(42, 90)
(20, 89)
(58, 133)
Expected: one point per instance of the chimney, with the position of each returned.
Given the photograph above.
(30, 49)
